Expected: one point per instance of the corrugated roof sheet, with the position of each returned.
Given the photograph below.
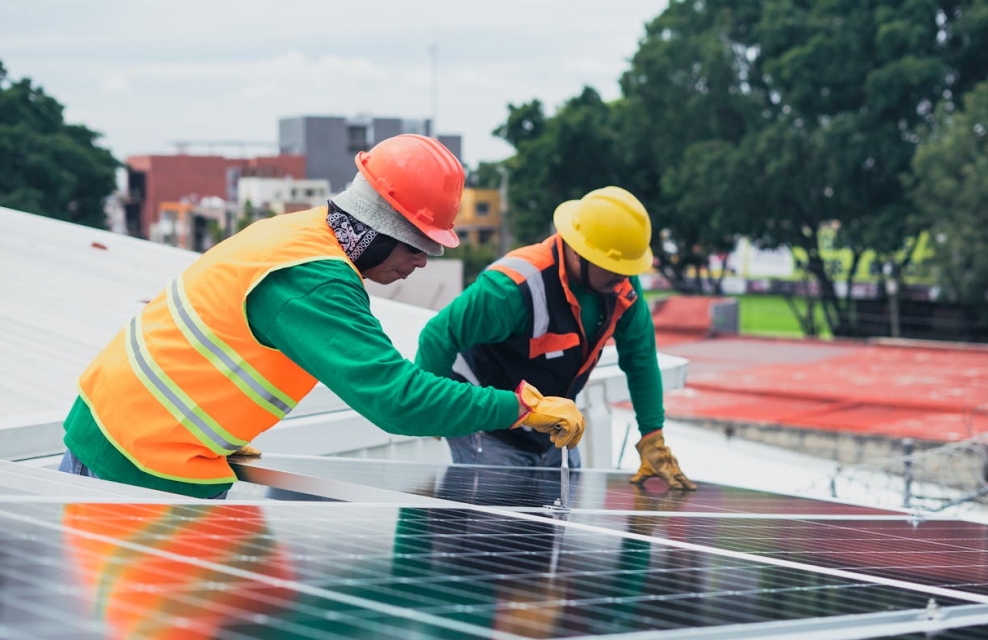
(65, 290)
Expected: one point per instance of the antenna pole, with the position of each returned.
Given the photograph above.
(433, 54)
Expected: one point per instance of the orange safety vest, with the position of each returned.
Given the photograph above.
(186, 383)
(558, 355)
(145, 565)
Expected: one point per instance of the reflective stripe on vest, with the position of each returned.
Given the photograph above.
(223, 357)
(540, 306)
(171, 396)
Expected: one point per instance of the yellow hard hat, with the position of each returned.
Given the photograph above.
(610, 228)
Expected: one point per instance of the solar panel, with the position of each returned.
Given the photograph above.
(947, 554)
(405, 550)
(531, 488)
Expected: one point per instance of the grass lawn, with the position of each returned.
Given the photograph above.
(766, 315)
(771, 316)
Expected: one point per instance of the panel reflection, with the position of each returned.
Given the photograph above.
(325, 570)
(947, 553)
(534, 487)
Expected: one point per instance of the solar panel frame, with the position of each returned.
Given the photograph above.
(397, 558)
(353, 572)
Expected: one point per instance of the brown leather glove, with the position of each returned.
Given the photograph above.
(556, 416)
(247, 451)
(658, 461)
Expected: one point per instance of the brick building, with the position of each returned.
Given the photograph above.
(152, 180)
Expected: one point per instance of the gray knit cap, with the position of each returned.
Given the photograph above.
(363, 203)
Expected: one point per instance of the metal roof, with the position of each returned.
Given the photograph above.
(66, 289)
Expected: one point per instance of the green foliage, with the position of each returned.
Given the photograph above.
(689, 101)
(951, 191)
(487, 175)
(557, 159)
(49, 167)
(475, 258)
(251, 214)
(771, 119)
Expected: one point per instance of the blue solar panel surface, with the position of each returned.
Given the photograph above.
(479, 562)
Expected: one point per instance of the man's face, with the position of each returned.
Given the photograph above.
(403, 260)
(600, 280)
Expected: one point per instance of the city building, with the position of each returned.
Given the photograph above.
(329, 143)
(155, 179)
(282, 195)
(194, 225)
(479, 219)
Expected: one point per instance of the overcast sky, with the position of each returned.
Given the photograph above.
(149, 73)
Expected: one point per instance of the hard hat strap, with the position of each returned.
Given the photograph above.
(584, 272)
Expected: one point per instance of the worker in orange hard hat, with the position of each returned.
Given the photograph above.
(543, 313)
(232, 345)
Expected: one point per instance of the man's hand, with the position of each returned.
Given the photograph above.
(556, 416)
(247, 451)
(658, 461)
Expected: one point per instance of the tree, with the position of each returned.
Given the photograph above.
(557, 159)
(487, 175)
(701, 196)
(689, 101)
(849, 84)
(950, 190)
(49, 167)
(815, 105)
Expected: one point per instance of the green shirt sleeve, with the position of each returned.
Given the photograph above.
(634, 338)
(492, 309)
(318, 314)
(489, 311)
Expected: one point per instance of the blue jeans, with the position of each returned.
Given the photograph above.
(71, 464)
(483, 448)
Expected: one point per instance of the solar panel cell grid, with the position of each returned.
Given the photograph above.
(947, 554)
(336, 570)
(535, 488)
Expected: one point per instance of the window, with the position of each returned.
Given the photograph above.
(483, 208)
(357, 138)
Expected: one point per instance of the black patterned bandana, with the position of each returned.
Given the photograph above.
(366, 247)
(354, 235)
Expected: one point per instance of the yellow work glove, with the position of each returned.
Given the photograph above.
(247, 451)
(658, 461)
(556, 416)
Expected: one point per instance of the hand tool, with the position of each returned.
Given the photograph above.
(564, 480)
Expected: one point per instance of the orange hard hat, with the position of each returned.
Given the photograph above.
(421, 179)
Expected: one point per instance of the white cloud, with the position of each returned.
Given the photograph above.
(114, 84)
(229, 69)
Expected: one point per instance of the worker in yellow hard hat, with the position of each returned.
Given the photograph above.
(233, 344)
(543, 313)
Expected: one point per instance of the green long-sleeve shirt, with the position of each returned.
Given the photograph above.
(492, 309)
(318, 314)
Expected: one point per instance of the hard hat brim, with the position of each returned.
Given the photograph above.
(445, 237)
(564, 219)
